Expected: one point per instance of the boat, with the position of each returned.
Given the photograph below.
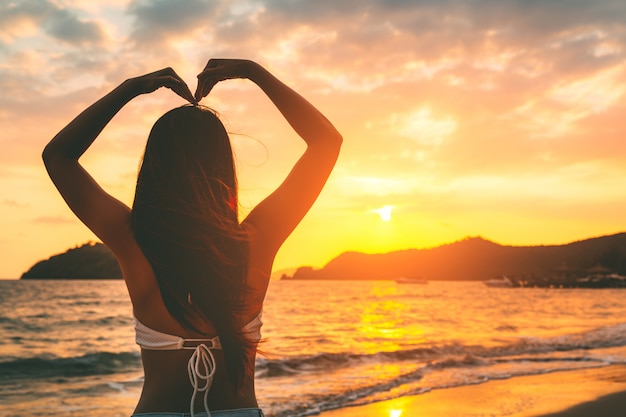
(503, 282)
(404, 280)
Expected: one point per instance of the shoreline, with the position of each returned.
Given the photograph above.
(587, 392)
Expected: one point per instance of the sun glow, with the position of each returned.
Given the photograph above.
(384, 213)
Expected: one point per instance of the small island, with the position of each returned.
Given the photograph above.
(88, 261)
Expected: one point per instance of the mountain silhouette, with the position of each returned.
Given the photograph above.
(89, 261)
(475, 258)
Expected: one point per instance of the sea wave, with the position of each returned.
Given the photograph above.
(100, 363)
(446, 355)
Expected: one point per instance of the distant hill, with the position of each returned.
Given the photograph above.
(475, 259)
(89, 261)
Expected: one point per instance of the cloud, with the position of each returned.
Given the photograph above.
(19, 19)
(160, 20)
(13, 203)
(65, 26)
(54, 220)
(24, 18)
(432, 27)
(421, 125)
(593, 94)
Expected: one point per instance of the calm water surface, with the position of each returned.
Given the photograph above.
(67, 347)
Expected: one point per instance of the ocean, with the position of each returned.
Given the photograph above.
(67, 347)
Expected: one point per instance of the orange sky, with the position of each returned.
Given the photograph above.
(498, 118)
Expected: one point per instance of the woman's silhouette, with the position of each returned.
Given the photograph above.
(196, 275)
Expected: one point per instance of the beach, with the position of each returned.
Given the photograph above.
(597, 392)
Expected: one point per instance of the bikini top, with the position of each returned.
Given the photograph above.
(201, 365)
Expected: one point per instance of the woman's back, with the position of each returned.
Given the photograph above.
(167, 381)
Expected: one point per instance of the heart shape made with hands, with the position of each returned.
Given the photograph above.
(216, 70)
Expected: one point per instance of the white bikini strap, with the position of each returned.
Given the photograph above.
(201, 367)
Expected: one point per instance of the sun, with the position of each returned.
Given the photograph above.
(384, 213)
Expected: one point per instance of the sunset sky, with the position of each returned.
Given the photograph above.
(499, 118)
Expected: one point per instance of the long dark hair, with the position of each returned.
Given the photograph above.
(185, 220)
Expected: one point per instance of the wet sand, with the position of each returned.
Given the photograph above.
(599, 392)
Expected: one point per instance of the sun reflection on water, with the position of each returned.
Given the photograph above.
(382, 323)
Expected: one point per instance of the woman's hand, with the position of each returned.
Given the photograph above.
(217, 70)
(166, 77)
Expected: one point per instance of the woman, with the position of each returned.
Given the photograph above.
(196, 275)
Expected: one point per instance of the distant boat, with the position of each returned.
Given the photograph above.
(503, 282)
(411, 281)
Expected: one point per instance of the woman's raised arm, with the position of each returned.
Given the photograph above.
(107, 217)
(277, 215)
